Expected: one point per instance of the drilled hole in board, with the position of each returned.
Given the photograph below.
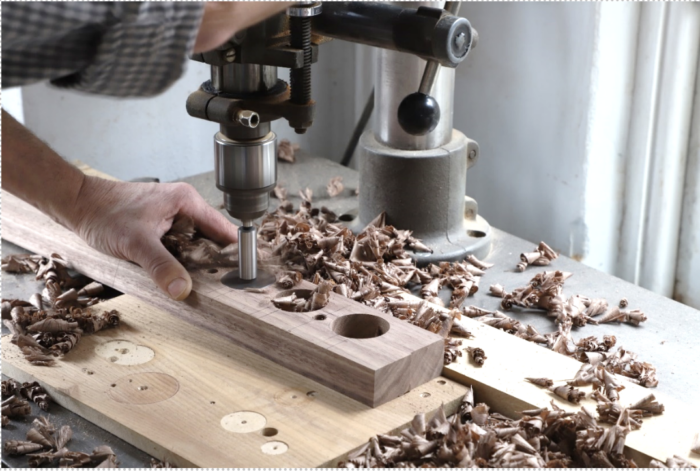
(360, 326)
(144, 388)
(294, 300)
(122, 352)
(213, 271)
(311, 394)
(320, 317)
(269, 432)
(442, 382)
(274, 448)
(475, 233)
(425, 395)
(243, 422)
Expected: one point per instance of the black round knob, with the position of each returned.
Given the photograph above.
(419, 114)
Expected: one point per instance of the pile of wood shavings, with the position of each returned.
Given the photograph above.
(46, 444)
(474, 437)
(16, 397)
(373, 268)
(544, 292)
(51, 323)
(606, 392)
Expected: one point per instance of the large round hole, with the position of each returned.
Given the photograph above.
(294, 300)
(360, 326)
(475, 233)
(347, 217)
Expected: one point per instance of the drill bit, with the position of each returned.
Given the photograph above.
(247, 251)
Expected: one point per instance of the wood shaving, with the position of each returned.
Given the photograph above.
(195, 251)
(280, 193)
(568, 393)
(540, 381)
(542, 255)
(21, 263)
(335, 187)
(477, 355)
(286, 150)
(14, 407)
(156, 464)
(20, 448)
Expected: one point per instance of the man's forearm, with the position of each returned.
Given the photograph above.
(35, 173)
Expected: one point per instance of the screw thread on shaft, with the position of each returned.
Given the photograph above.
(300, 79)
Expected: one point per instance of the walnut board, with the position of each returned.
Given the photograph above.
(195, 379)
(500, 382)
(372, 370)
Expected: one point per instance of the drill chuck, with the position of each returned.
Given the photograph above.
(246, 171)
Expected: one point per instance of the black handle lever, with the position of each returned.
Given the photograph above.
(419, 112)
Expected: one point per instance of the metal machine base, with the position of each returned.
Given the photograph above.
(232, 280)
(424, 191)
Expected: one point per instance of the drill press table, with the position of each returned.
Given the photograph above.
(665, 340)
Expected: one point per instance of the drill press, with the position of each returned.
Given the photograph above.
(413, 164)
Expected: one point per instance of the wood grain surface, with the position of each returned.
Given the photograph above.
(195, 380)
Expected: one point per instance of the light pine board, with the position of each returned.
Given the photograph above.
(501, 383)
(193, 367)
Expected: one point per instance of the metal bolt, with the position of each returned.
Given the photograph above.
(472, 154)
(461, 42)
(248, 118)
(230, 55)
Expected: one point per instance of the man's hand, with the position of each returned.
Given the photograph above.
(122, 219)
(127, 220)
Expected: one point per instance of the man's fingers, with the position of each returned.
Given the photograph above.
(163, 268)
(213, 224)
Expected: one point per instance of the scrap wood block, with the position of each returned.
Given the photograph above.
(192, 397)
(334, 349)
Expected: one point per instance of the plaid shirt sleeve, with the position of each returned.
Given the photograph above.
(120, 49)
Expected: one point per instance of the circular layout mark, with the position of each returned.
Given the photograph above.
(143, 388)
(243, 422)
(274, 448)
(124, 352)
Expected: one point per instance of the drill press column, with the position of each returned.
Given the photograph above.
(420, 180)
